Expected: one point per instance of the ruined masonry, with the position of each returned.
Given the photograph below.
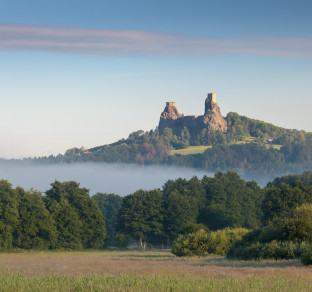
(212, 119)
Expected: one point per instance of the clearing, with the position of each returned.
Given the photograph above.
(201, 149)
(190, 150)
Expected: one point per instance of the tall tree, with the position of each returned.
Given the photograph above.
(109, 204)
(179, 209)
(69, 226)
(93, 230)
(9, 218)
(231, 202)
(282, 199)
(36, 229)
(183, 201)
(141, 216)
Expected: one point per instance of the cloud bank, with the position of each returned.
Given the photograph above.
(77, 40)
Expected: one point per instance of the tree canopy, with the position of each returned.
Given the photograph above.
(92, 231)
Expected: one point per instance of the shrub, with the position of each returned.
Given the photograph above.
(297, 226)
(191, 244)
(284, 238)
(203, 242)
(220, 241)
(191, 227)
(269, 250)
(306, 257)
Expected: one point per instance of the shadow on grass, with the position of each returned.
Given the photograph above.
(148, 256)
(222, 262)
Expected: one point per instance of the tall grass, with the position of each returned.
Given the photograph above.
(10, 281)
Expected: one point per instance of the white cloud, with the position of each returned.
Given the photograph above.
(78, 40)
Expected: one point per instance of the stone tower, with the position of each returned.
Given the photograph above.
(170, 118)
(171, 111)
(210, 101)
(213, 119)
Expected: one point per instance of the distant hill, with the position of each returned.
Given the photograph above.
(235, 142)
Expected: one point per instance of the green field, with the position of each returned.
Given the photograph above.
(246, 140)
(273, 146)
(190, 150)
(146, 271)
(201, 149)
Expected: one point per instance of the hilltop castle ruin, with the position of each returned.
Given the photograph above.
(212, 119)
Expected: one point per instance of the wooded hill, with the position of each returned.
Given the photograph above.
(249, 146)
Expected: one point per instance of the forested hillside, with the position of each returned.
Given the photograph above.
(249, 146)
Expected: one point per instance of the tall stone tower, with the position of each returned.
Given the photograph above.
(213, 119)
(170, 118)
(210, 101)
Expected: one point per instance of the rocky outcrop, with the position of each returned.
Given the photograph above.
(170, 112)
(171, 118)
(212, 119)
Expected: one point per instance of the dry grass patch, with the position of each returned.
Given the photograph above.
(146, 271)
(144, 263)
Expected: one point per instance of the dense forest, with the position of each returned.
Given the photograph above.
(250, 147)
(222, 208)
(65, 217)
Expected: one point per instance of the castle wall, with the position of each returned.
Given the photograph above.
(212, 120)
(193, 123)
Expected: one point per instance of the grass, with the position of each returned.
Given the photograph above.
(201, 149)
(246, 140)
(250, 139)
(18, 282)
(190, 150)
(146, 271)
(273, 146)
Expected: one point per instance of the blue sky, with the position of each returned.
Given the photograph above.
(86, 73)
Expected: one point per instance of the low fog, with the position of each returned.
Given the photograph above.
(121, 179)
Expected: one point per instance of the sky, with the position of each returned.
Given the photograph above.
(87, 73)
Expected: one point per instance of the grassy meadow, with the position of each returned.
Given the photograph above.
(146, 271)
(190, 150)
(201, 149)
(273, 146)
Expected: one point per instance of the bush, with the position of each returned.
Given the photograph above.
(191, 227)
(306, 257)
(191, 244)
(204, 243)
(298, 225)
(285, 238)
(269, 250)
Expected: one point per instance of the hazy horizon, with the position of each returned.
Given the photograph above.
(121, 179)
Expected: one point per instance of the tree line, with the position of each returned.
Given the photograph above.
(66, 217)
(156, 217)
(285, 231)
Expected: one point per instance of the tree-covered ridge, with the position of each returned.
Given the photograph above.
(249, 146)
(241, 126)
